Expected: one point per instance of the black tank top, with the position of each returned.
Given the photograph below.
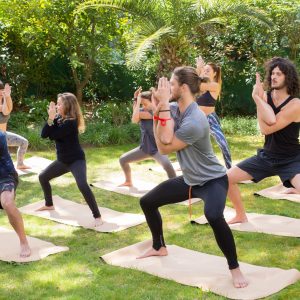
(285, 142)
(206, 99)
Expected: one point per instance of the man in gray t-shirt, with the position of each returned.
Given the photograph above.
(198, 162)
(184, 129)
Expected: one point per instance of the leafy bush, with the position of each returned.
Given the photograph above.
(240, 125)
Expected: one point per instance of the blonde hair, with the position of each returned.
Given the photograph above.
(72, 109)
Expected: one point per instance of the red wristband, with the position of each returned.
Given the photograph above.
(163, 121)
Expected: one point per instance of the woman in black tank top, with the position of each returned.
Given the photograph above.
(207, 102)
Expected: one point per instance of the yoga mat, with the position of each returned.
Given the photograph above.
(208, 272)
(139, 189)
(36, 163)
(278, 192)
(10, 247)
(75, 214)
(270, 224)
(160, 169)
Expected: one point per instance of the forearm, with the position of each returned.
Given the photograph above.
(135, 118)
(160, 146)
(7, 105)
(265, 113)
(165, 129)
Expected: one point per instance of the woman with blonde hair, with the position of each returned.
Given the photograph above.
(210, 92)
(65, 122)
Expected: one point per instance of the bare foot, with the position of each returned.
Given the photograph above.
(291, 191)
(238, 219)
(45, 208)
(25, 250)
(98, 222)
(126, 183)
(23, 167)
(239, 281)
(152, 252)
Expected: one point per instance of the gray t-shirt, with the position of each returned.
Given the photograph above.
(197, 161)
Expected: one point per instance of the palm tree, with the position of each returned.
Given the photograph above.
(169, 26)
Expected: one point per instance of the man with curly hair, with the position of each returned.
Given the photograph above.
(278, 114)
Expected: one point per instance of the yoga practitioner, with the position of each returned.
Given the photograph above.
(210, 92)
(65, 121)
(13, 140)
(147, 147)
(278, 114)
(184, 128)
(8, 186)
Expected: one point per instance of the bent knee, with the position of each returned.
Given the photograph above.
(8, 202)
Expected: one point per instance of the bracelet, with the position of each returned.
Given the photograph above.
(163, 121)
(163, 110)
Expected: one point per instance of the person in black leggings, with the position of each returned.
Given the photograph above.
(184, 128)
(65, 121)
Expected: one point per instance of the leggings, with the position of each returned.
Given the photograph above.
(138, 154)
(15, 140)
(78, 169)
(174, 190)
(217, 133)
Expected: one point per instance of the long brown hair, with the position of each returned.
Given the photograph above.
(218, 76)
(72, 109)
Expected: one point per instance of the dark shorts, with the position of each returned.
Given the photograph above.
(7, 185)
(261, 166)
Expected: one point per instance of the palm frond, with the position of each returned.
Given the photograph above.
(145, 41)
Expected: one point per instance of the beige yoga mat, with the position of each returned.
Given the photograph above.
(160, 169)
(72, 213)
(270, 224)
(36, 163)
(10, 247)
(205, 271)
(278, 192)
(139, 189)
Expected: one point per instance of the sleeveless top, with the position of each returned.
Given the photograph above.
(148, 144)
(206, 99)
(285, 142)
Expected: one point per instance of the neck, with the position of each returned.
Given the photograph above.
(184, 102)
(280, 95)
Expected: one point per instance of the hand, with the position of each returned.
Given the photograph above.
(7, 90)
(155, 103)
(199, 63)
(137, 92)
(52, 110)
(258, 90)
(163, 92)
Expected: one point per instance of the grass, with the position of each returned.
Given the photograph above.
(80, 274)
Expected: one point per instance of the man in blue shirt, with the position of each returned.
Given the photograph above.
(8, 185)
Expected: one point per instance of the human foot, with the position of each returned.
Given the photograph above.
(98, 222)
(25, 250)
(152, 252)
(126, 183)
(23, 167)
(45, 208)
(291, 191)
(238, 219)
(239, 281)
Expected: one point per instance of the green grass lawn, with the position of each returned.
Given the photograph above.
(80, 274)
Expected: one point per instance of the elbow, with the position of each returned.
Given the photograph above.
(166, 140)
(134, 120)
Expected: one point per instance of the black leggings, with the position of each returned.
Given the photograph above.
(78, 169)
(174, 190)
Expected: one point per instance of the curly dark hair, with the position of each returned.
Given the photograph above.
(288, 69)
